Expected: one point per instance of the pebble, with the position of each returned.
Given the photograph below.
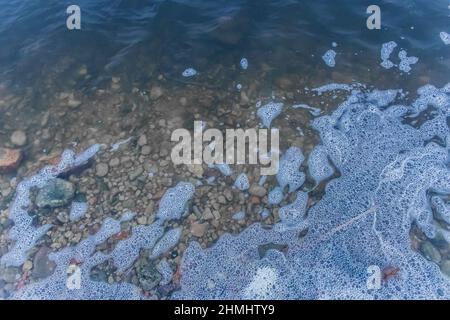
(10, 275)
(136, 173)
(114, 162)
(257, 190)
(72, 103)
(142, 141)
(101, 169)
(156, 93)
(198, 229)
(430, 252)
(9, 159)
(145, 150)
(19, 138)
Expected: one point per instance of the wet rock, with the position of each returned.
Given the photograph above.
(27, 266)
(9, 159)
(147, 274)
(101, 170)
(114, 162)
(136, 173)
(142, 141)
(198, 229)
(10, 275)
(257, 190)
(19, 138)
(145, 150)
(42, 266)
(73, 103)
(445, 267)
(430, 252)
(156, 93)
(62, 217)
(56, 193)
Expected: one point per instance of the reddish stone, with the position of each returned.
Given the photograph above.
(9, 159)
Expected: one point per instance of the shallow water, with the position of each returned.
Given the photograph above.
(119, 82)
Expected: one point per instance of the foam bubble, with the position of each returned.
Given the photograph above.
(189, 72)
(174, 201)
(267, 113)
(329, 58)
(288, 173)
(242, 182)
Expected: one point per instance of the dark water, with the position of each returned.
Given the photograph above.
(137, 39)
(127, 48)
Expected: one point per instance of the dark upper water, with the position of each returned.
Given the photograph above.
(137, 38)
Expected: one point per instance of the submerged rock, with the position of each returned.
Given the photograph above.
(9, 159)
(56, 193)
(148, 275)
(19, 138)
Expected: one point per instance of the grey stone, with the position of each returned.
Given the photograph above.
(19, 138)
(101, 169)
(430, 252)
(56, 193)
(148, 275)
(257, 190)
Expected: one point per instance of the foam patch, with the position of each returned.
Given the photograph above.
(318, 165)
(174, 201)
(329, 58)
(267, 113)
(288, 173)
(242, 182)
(168, 241)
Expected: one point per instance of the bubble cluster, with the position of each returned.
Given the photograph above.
(386, 51)
(173, 203)
(189, 72)
(275, 196)
(329, 58)
(267, 113)
(288, 172)
(318, 165)
(168, 241)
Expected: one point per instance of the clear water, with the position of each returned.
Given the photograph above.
(121, 77)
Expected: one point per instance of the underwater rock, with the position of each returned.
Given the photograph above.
(19, 138)
(430, 252)
(56, 193)
(42, 265)
(318, 165)
(168, 241)
(9, 160)
(239, 216)
(257, 190)
(148, 275)
(199, 229)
